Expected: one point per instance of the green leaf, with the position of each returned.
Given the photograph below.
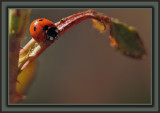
(126, 40)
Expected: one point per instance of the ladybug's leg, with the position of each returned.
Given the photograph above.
(48, 37)
(56, 30)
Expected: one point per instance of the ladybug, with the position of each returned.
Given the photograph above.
(43, 29)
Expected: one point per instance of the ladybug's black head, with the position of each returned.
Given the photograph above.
(52, 32)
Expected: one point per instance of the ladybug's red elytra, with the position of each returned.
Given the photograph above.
(43, 29)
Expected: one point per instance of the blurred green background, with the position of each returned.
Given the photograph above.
(82, 68)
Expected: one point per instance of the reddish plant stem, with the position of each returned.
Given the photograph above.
(36, 52)
(67, 23)
(63, 26)
(13, 61)
(29, 44)
(18, 21)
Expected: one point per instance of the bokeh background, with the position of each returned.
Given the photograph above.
(82, 68)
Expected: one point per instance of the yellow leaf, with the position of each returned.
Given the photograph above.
(103, 25)
(25, 77)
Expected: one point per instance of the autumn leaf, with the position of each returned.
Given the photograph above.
(123, 38)
(126, 40)
(26, 76)
(100, 26)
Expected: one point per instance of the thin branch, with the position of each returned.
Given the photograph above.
(18, 21)
(63, 26)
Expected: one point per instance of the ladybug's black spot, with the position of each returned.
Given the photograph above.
(34, 28)
(40, 19)
(37, 37)
(45, 28)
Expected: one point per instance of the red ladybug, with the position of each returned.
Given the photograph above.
(43, 29)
